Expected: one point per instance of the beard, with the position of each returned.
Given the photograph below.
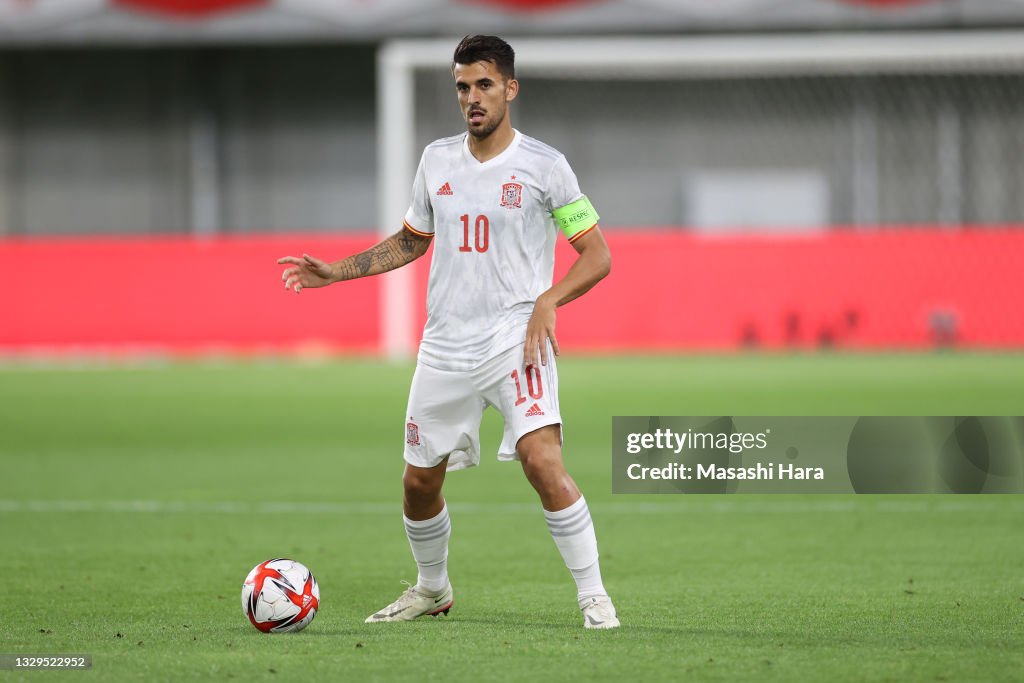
(488, 128)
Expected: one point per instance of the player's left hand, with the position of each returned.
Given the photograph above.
(539, 331)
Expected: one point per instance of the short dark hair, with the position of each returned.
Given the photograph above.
(487, 49)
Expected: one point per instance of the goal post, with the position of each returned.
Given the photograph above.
(638, 58)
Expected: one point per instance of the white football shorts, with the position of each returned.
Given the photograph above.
(445, 408)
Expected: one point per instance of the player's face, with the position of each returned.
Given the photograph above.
(484, 95)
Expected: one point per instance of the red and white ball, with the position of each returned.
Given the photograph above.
(280, 596)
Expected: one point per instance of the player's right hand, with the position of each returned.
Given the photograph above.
(307, 271)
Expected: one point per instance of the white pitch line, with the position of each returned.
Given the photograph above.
(733, 505)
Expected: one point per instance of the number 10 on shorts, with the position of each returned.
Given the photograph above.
(533, 384)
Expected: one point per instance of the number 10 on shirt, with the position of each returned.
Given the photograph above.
(481, 229)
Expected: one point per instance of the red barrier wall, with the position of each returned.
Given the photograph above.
(179, 295)
(875, 289)
(668, 290)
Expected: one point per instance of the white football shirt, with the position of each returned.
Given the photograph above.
(494, 243)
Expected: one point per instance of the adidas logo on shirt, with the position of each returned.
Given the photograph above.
(446, 190)
(534, 411)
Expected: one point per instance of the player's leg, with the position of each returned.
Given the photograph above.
(540, 453)
(528, 400)
(427, 525)
(568, 518)
(442, 431)
(421, 487)
(428, 528)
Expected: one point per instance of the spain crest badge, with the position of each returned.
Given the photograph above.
(512, 195)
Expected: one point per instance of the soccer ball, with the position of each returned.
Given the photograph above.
(280, 595)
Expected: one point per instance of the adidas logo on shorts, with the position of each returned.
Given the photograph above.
(534, 411)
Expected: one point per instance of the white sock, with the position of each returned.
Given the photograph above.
(573, 532)
(429, 542)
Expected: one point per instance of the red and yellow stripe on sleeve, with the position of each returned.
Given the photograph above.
(416, 232)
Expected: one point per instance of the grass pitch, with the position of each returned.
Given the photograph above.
(134, 500)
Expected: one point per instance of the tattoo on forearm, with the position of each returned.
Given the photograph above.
(364, 261)
(384, 257)
(392, 253)
(407, 245)
(346, 270)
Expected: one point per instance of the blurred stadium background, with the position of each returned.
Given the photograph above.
(806, 174)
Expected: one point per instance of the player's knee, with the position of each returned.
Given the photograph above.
(420, 483)
(542, 463)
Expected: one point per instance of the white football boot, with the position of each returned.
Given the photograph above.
(599, 612)
(412, 603)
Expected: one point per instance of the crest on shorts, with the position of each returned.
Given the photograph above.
(512, 195)
(412, 434)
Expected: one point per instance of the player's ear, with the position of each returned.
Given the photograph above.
(511, 90)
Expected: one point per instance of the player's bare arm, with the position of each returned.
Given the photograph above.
(396, 251)
(592, 265)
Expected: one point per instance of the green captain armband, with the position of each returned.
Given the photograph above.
(576, 218)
